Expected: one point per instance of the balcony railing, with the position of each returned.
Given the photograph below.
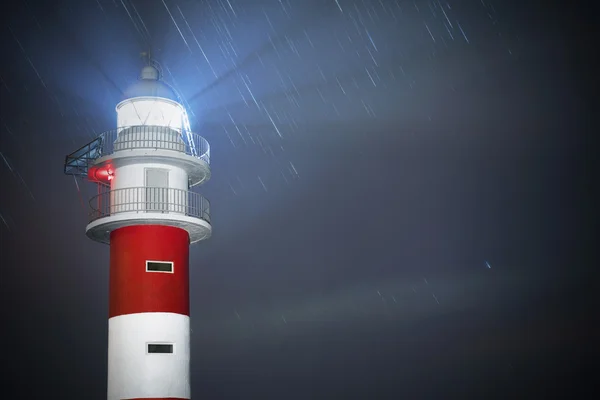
(149, 200)
(155, 137)
(136, 137)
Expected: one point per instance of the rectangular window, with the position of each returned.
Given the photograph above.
(159, 266)
(160, 348)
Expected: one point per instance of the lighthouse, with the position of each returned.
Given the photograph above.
(148, 211)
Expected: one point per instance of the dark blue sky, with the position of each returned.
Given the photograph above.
(368, 158)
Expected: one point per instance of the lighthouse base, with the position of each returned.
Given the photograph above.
(157, 398)
(149, 356)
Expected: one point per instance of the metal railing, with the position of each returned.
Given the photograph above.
(155, 137)
(149, 200)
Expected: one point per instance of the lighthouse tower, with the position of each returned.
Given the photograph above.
(147, 212)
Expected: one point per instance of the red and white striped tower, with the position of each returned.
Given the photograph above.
(147, 213)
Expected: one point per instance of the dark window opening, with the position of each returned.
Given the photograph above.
(159, 266)
(154, 348)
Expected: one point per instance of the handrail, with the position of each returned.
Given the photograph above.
(154, 137)
(149, 200)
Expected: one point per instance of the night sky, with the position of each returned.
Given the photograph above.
(371, 161)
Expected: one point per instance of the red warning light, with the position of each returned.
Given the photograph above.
(102, 174)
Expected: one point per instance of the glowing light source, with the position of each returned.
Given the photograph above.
(102, 174)
(155, 111)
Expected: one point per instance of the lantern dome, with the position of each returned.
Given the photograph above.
(149, 84)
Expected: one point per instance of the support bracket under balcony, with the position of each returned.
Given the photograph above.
(78, 162)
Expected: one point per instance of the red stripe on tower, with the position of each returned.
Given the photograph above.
(149, 270)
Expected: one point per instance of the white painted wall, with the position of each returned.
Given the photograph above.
(134, 176)
(150, 111)
(134, 374)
